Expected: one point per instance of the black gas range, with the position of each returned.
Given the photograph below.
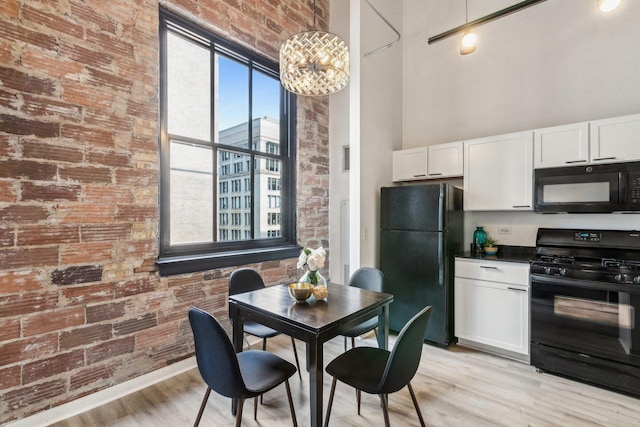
(585, 306)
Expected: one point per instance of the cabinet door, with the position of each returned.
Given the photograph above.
(495, 314)
(616, 139)
(409, 165)
(498, 172)
(561, 146)
(445, 160)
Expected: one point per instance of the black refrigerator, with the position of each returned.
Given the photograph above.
(421, 231)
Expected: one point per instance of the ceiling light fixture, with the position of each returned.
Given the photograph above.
(314, 63)
(481, 21)
(608, 5)
(469, 40)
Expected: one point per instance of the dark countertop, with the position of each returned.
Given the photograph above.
(522, 254)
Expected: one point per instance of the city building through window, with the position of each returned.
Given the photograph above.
(227, 132)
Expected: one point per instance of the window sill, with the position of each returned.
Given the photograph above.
(170, 266)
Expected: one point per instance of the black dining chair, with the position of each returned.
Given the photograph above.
(364, 278)
(246, 280)
(239, 376)
(378, 371)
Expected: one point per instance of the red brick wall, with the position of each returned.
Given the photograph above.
(79, 192)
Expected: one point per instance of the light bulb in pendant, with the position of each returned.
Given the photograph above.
(468, 44)
(608, 5)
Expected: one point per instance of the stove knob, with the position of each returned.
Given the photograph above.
(547, 270)
(636, 280)
(619, 278)
(562, 271)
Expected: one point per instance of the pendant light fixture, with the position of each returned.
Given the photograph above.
(608, 5)
(314, 62)
(469, 40)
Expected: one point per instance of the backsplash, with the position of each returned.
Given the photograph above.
(524, 225)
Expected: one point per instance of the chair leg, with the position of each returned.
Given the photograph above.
(239, 413)
(264, 348)
(293, 411)
(358, 398)
(415, 403)
(353, 342)
(255, 408)
(333, 390)
(295, 354)
(345, 344)
(385, 411)
(244, 337)
(204, 404)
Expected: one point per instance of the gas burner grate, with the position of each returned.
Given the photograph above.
(620, 263)
(612, 262)
(558, 259)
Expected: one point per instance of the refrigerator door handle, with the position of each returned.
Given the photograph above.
(440, 262)
(441, 210)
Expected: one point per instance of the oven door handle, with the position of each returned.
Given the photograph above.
(583, 284)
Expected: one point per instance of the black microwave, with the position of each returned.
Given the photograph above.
(602, 188)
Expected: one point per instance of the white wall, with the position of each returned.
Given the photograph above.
(367, 116)
(380, 116)
(554, 63)
(338, 137)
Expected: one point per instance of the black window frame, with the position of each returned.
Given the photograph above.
(188, 258)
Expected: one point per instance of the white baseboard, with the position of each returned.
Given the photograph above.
(102, 397)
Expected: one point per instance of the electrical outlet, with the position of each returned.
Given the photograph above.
(504, 230)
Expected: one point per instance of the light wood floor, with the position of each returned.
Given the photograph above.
(455, 387)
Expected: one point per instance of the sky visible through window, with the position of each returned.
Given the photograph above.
(234, 81)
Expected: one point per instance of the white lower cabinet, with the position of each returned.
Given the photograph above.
(491, 306)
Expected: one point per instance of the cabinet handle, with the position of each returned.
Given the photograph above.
(489, 267)
(575, 161)
(435, 174)
(516, 289)
(418, 176)
(521, 206)
(604, 158)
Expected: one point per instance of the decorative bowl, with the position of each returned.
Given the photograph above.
(320, 292)
(300, 291)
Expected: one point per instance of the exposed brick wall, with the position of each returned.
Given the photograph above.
(79, 191)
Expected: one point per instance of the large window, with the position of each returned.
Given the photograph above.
(227, 126)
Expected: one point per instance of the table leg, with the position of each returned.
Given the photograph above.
(315, 362)
(238, 327)
(383, 328)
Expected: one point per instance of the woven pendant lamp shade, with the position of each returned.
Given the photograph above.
(314, 63)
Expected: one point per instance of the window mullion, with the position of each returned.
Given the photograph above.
(214, 148)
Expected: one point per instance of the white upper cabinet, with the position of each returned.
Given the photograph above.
(410, 164)
(430, 162)
(566, 145)
(445, 160)
(611, 140)
(498, 172)
(616, 139)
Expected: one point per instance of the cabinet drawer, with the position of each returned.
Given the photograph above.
(494, 271)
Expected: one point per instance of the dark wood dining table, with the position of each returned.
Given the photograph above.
(314, 322)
